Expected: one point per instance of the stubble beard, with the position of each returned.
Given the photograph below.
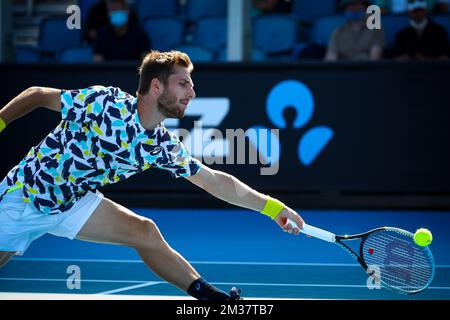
(168, 106)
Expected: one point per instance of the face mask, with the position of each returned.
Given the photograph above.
(118, 18)
(418, 25)
(355, 16)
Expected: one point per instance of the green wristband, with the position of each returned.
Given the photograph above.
(273, 208)
(2, 124)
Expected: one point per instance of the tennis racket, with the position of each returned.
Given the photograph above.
(387, 254)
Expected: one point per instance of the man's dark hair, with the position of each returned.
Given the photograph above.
(160, 65)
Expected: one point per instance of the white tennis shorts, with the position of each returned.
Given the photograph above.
(21, 223)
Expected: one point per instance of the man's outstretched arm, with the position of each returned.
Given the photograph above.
(228, 188)
(29, 100)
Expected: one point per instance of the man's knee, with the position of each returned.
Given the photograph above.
(148, 236)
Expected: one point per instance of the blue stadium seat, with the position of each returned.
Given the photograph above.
(211, 33)
(311, 10)
(163, 33)
(77, 55)
(443, 21)
(156, 8)
(274, 33)
(258, 55)
(54, 36)
(324, 27)
(27, 54)
(391, 25)
(197, 9)
(298, 48)
(197, 53)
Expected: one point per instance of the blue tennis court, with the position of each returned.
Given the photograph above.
(228, 248)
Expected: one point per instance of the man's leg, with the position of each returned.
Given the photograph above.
(5, 256)
(115, 224)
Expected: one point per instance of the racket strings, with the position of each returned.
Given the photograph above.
(402, 264)
(397, 265)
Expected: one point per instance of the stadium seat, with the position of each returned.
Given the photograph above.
(164, 33)
(77, 55)
(391, 25)
(311, 10)
(27, 54)
(197, 9)
(274, 33)
(298, 48)
(324, 27)
(443, 21)
(197, 53)
(258, 55)
(156, 8)
(54, 36)
(211, 33)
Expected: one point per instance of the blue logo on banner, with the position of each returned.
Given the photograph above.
(295, 94)
(290, 93)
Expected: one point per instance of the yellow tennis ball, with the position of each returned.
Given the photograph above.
(423, 237)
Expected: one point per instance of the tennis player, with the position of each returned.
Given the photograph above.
(107, 135)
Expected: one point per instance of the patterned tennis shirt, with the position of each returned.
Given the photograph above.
(99, 141)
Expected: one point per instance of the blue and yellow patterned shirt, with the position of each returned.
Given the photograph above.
(99, 141)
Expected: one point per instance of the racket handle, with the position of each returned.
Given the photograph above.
(315, 232)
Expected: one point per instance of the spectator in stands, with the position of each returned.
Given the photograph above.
(400, 6)
(97, 18)
(122, 38)
(270, 6)
(422, 39)
(353, 40)
(442, 6)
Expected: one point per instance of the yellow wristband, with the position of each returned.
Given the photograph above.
(2, 124)
(273, 208)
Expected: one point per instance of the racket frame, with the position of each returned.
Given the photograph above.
(339, 240)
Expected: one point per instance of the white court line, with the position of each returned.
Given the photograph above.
(300, 264)
(149, 283)
(313, 285)
(208, 262)
(77, 260)
(65, 280)
(78, 296)
(196, 262)
(145, 283)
